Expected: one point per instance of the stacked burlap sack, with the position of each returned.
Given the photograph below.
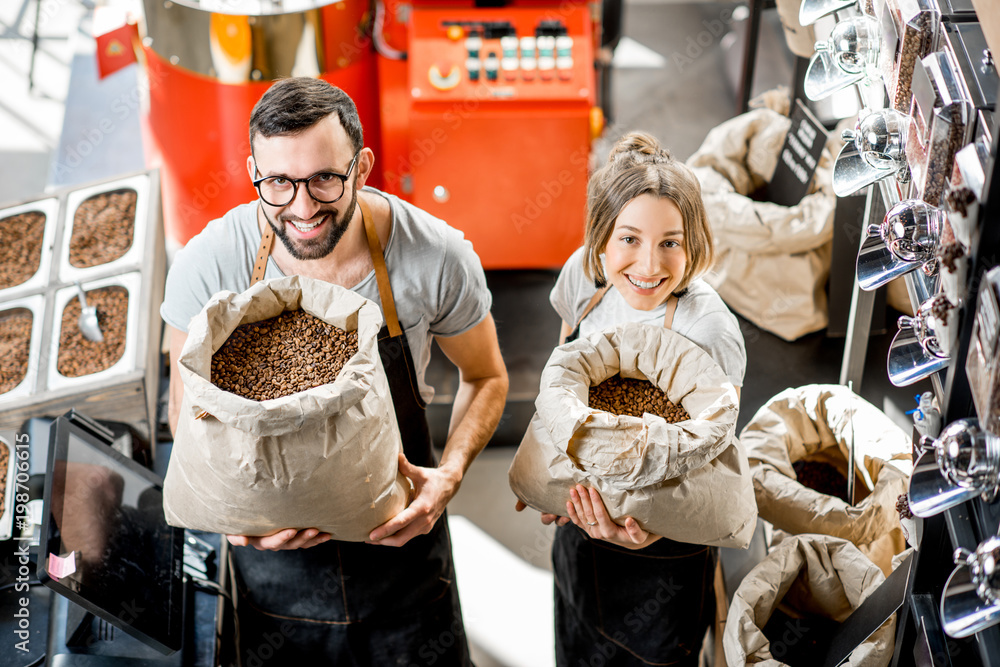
(772, 261)
(324, 458)
(687, 481)
(818, 423)
(810, 576)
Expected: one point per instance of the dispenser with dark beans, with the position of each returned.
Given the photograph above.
(941, 113)
(910, 28)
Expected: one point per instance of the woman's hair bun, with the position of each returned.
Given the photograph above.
(639, 147)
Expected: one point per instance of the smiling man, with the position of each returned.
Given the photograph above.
(310, 599)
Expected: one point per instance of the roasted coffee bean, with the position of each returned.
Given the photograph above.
(821, 477)
(903, 506)
(79, 356)
(940, 160)
(960, 199)
(15, 344)
(949, 253)
(20, 247)
(628, 396)
(941, 309)
(102, 228)
(4, 462)
(282, 355)
(914, 45)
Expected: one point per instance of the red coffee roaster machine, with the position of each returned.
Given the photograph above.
(482, 113)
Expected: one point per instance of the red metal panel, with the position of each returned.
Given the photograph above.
(196, 129)
(516, 181)
(505, 161)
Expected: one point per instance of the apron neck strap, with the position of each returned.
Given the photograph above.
(668, 317)
(381, 272)
(594, 300)
(263, 252)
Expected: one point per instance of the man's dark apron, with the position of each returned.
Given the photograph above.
(646, 607)
(350, 603)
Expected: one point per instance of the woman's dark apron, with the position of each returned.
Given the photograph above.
(614, 606)
(351, 603)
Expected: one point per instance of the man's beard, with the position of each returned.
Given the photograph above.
(321, 246)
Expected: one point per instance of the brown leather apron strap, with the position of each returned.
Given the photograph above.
(381, 272)
(668, 317)
(594, 300)
(263, 252)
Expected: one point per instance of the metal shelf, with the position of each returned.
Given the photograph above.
(920, 638)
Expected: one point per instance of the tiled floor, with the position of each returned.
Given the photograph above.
(659, 85)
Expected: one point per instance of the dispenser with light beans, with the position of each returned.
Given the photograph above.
(911, 230)
(984, 565)
(968, 456)
(970, 601)
(875, 149)
(935, 324)
(854, 45)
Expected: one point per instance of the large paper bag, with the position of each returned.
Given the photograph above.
(819, 423)
(772, 261)
(687, 481)
(323, 458)
(808, 574)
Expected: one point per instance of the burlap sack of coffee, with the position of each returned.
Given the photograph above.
(772, 261)
(323, 458)
(818, 423)
(810, 575)
(687, 481)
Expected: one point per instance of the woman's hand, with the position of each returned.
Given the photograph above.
(546, 518)
(586, 510)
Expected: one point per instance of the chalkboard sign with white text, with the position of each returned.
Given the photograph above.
(797, 160)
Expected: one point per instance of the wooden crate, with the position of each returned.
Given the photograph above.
(128, 391)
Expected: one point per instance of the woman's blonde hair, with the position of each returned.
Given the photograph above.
(638, 165)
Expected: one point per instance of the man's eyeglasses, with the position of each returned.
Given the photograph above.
(326, 187)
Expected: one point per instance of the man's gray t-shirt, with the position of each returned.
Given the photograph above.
(701, 316)
(437, 279)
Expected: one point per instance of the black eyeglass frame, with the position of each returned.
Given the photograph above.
(295, 183)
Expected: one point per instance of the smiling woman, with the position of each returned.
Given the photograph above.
(647, 243)
(644, 258)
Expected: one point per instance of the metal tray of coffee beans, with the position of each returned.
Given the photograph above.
(72, 358)
(105, 229)
(21, 325)
(28, 232)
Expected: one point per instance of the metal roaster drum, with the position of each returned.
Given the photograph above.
(225, 54)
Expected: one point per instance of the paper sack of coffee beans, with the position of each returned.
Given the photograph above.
(287, 420)
(647, 418)
(799, 442)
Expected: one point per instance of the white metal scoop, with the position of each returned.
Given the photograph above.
(89, 326)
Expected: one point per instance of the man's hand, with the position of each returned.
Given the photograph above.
(433, 489)
(547, 518)
(586, 510)
(290, 538)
